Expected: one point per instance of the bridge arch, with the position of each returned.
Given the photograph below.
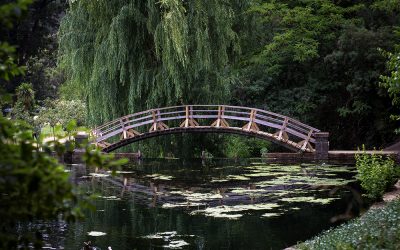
(259, 123)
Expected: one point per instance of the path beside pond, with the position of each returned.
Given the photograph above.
(389, 196)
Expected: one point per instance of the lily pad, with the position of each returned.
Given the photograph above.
(96, 234)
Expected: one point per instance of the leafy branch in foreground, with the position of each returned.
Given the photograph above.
(34, 185)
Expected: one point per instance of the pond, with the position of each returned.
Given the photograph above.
(193, 204)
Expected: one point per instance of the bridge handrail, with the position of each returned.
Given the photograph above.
(231, 113)
(291, 122)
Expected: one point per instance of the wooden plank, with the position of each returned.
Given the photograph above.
(157, 125)
(251, 125)
(282, 135)
(154, 126)
(132, 133)
(189, 121)
(306, 141)
(123, 135)
(220, 122)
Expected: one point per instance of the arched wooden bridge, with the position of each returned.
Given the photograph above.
(263, 124)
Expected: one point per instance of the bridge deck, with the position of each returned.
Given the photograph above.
(263, 124)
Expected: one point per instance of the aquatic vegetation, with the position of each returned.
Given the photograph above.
(110, 197)
(335, 169)
(160, 177)
(260, 187)
(97, 175)
(233, 212)
(176, 244)
(237, 178)
(309, 199)
(246, 191)
(182, 204)
(231, 178)
(271, 215)
(262, 174)
(279, 168)
(303, 179)
(122, 172)
(196, 196)
(190, 197)
(219, 180)
(161, 235)
(96, 234)
(172, 238)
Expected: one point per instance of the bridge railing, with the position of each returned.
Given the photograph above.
(259, 121)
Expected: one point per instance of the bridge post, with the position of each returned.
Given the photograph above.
(321, 145)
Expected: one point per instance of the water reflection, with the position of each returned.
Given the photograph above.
(184, 204)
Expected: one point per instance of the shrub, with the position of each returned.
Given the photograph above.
(376, 173)
(241, 147)
(237, 147)
(264, 152)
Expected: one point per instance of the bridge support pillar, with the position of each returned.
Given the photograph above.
(321, 145)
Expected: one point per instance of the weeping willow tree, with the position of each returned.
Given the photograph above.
(124, 56)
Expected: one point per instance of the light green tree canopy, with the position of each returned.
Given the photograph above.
(125, 56)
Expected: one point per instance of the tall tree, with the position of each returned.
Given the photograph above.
(35, 41)
(319, 61)
(126, 56)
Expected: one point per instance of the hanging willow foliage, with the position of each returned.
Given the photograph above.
(125, 56)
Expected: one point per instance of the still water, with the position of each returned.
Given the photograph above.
(192, 204)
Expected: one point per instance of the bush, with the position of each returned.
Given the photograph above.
(237, 148)
(264, 152)
(376, 173)
(242, 147)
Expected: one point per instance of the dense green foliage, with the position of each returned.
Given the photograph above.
(60, 112)
(237, 147)
(128, 56)
(318, 61)
(33, 40)
(376, 173)
(24, 106)
(377, 229)
(33, 184)
(26, 176)
(392, 80)
(8, 13)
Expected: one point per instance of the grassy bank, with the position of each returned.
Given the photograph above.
(377, 229)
